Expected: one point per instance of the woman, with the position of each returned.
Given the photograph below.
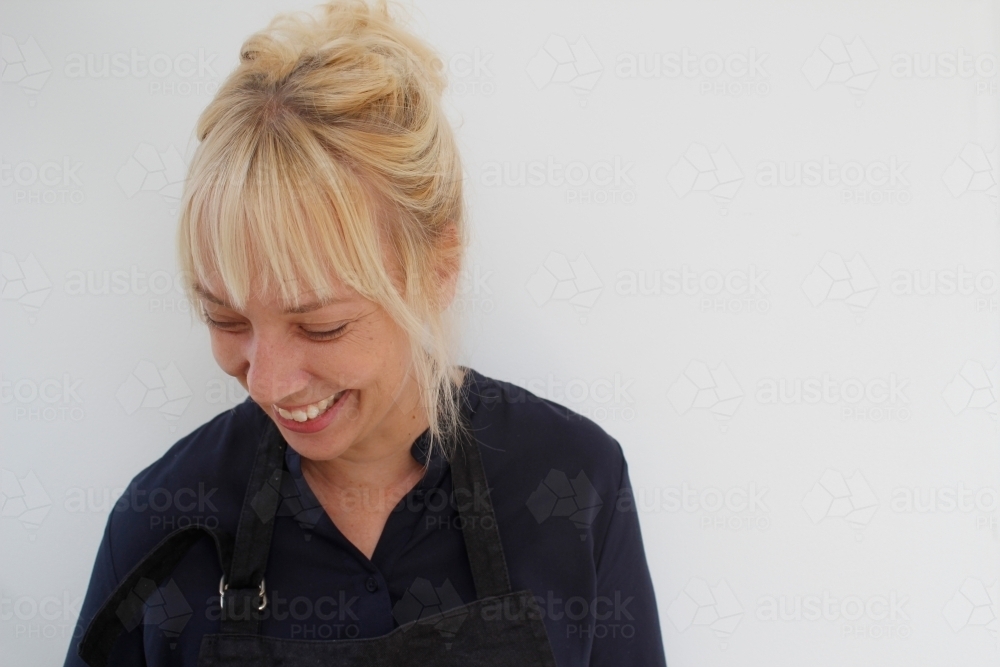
(372, 501)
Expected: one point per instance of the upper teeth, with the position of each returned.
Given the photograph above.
(310, 411)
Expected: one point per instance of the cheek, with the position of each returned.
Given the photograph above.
(228, 353)
(370, 356)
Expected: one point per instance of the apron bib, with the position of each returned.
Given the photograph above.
(500, 628)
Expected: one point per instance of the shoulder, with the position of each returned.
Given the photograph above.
(526, 437)
(556, 478)
(200, 479)
(534, 423)
(213, 453)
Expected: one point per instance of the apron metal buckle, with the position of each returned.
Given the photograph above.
(223, 587)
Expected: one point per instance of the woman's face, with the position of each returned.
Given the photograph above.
(331, 375)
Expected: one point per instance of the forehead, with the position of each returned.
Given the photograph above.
(299, 301)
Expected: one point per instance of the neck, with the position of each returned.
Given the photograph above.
(383, 459)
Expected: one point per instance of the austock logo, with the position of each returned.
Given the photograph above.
(874, 399)
(281, 496)
(702, 387)
(24, 282)
(598, 399)
(836, 62)
(39, 617)
(148, 387)
(164, 607)
(729, 291)
(713, 607)
(470, 73)
(583, 182)
(149, 170)
(689, 65)
(24, 64)
(944, 65)
(700, 170)
(558, 61)
(860, 617)
(975, 387)
(54, 181)
(975, 604)
(559, 279)
(323, 617)
(981, 285)
(981, 502)
(733, 74)
(837, 497)
(174, 74)
(423, 600)
(24, 499)
(974, 171)
(851, 283)
(732, 508)
(60, 396)
(559, 496)
(473, 293)
(869, 182)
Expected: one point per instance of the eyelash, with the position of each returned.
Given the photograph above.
(314, 335)
(327, 335)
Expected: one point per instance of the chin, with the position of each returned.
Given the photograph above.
(313, 448)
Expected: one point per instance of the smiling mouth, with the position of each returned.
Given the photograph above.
(311, 411)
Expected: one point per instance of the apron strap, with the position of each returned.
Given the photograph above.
(479, 524)
(243, 589)
(243, 561)
(123, 610)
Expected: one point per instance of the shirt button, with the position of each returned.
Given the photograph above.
(371, 584)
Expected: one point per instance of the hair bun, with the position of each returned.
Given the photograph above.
(347, 35)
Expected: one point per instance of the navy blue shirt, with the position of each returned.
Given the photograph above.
(564, 508)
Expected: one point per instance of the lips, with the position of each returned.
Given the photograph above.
(309, 412)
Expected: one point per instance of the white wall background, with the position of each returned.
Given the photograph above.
(698, 277)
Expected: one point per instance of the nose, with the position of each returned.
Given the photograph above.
(274, 368)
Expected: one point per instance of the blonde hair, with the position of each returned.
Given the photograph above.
(327, 151)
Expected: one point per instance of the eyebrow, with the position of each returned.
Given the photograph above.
(295, 310)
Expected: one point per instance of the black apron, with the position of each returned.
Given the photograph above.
(501, 628)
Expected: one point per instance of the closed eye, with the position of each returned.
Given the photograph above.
(235, 327)
(327, 335)
(224, 326)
